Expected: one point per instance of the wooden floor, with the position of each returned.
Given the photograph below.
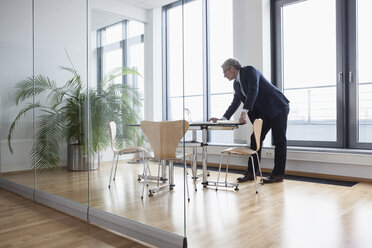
(288, 214)
(24, 223)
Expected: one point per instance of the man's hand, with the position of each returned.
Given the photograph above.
(214, 119)
(243, 118)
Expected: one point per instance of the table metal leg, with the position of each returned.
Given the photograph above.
(194, 157)
(163, 176)
(204, 164)
(194, 162)
(170, 183)
(171, 174)
(163, 169)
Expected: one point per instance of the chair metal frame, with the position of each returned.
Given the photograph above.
(117, 153)
(243, 151)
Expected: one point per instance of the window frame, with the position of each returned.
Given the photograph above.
(205, 56)
(124, 44)
(353, 78)
(165, 58)
(206, 80)
(347, 100)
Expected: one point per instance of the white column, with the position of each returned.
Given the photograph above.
(251, 20)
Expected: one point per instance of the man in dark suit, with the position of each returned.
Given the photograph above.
(262, 100)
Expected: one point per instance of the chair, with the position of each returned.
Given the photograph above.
(117, 153)
(244, 151)
(164, 137)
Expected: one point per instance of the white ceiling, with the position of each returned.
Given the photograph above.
(102, 19)
(147, 4)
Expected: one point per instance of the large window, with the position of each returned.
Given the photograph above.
(191, 61)
(122, 44)
(322, 58)
(194, 54)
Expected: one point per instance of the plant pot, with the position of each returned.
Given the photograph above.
(76, 161)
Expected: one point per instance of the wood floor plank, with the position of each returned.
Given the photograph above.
(289, 214)
(24, 223)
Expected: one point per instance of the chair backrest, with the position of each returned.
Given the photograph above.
(112, 128)
(257, 128)
(164, 136)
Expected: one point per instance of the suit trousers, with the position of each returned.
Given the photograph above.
(278, 126)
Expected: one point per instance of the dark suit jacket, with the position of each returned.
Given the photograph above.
(263, 99)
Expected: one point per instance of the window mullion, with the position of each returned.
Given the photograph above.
(205, 30)
(124, 48)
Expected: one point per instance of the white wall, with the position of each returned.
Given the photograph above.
(120, 8)
(153, 66)
(15, 65)
(252, 44)
(59, 26)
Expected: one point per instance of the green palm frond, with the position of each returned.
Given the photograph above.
(56, 98)
(74, 85)
(33, 86)
(63, 118)
(21, 114)
(47, 149)
(74, 112)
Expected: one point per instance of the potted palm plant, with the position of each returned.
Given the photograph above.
(76, 115)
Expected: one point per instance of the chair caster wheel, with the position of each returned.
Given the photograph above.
(236, 188)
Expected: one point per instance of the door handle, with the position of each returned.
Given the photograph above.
(340, 77)
(350, 77)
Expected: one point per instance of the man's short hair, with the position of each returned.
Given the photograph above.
(232, 62)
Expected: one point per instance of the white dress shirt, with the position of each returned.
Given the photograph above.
(241, 89)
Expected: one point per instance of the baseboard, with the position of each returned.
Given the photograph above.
(19, 189)
(296, 173)
(9, 173)
(136, 230)
(64, 205)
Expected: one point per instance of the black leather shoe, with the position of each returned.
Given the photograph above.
(273, 179)
(248, 176)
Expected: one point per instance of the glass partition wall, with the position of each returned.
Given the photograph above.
(16, 63)
(76, 66)
(121, 43)
(60, 91)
